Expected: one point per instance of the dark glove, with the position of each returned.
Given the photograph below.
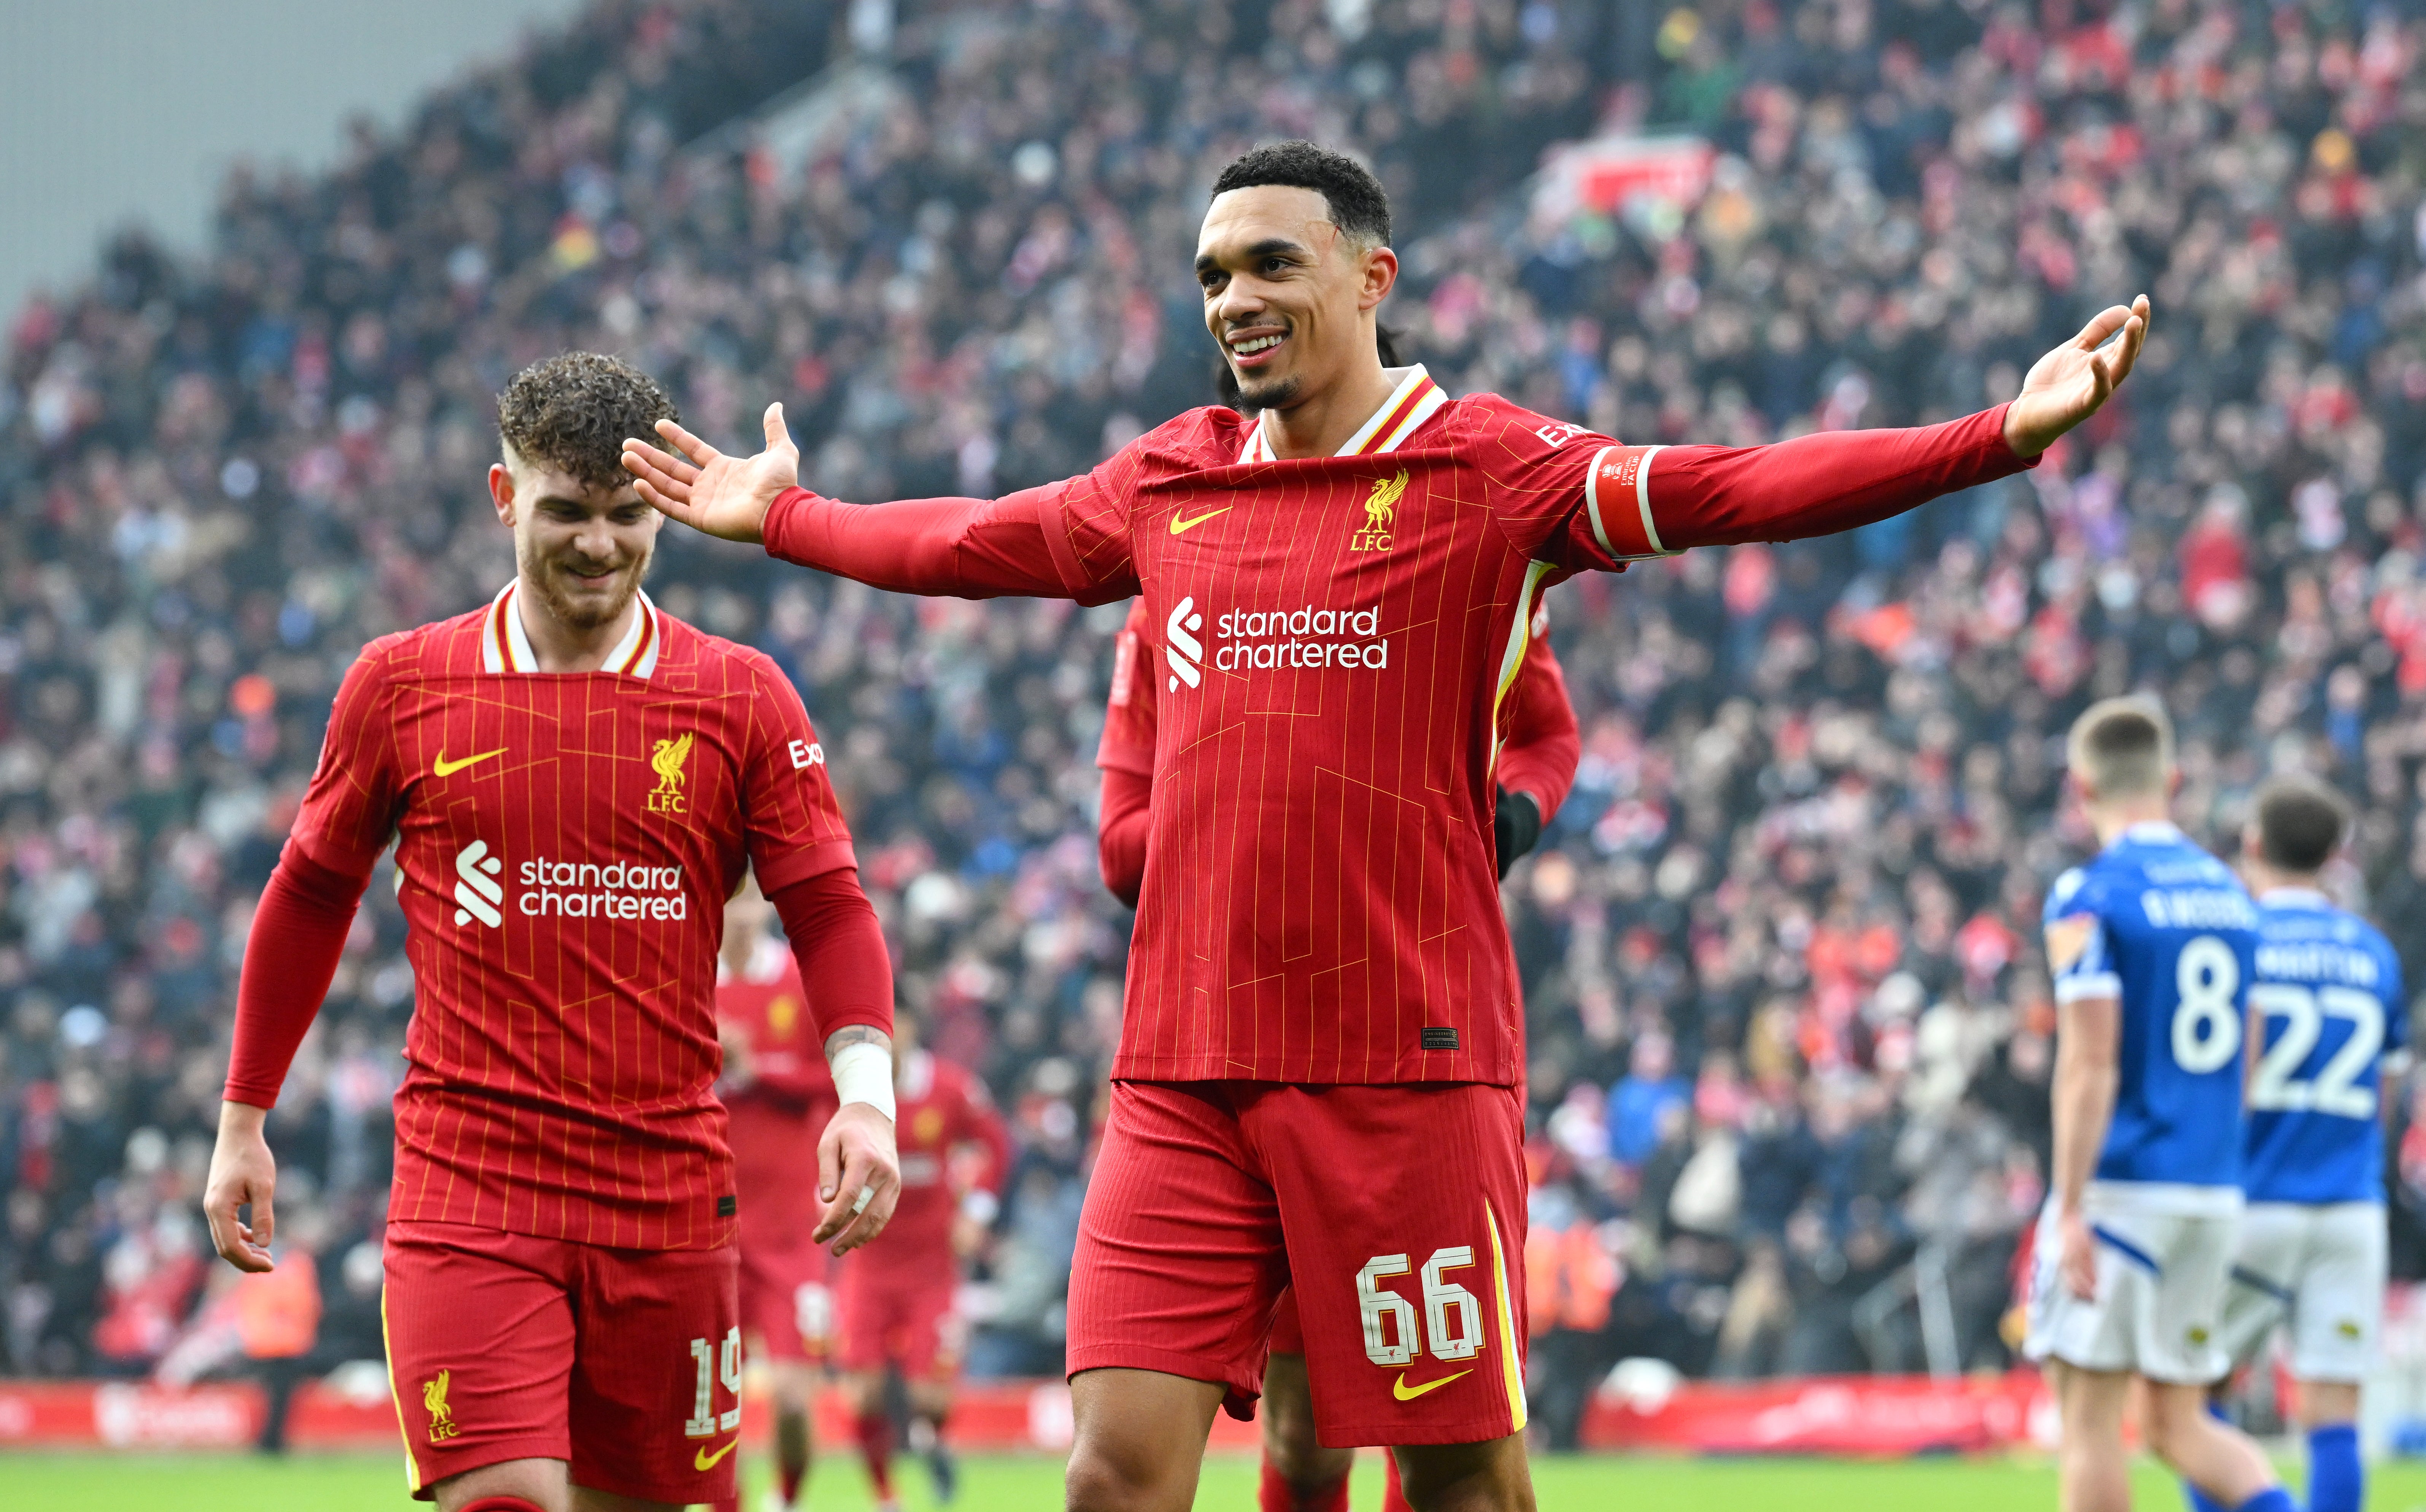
(1516, 827)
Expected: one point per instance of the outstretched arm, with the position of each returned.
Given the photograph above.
(1652, 501)
(965, 548)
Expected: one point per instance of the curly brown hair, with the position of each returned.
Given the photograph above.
(573, 412)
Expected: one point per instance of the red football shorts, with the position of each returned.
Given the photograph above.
(786, 1307)
(1288, 1334)
(626, 1364)
(1396, 1215)
(904, 1317)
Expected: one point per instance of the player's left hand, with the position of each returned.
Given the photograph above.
(2066, 386)
(854, 1155)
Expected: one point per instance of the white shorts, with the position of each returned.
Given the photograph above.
(2159, 1311)
(2319, 1269)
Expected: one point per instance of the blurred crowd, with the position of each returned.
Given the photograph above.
(1790, 1025)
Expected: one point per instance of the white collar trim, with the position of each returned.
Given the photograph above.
(504, 645)
(1415, 399)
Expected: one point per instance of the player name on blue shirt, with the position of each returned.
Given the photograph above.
(2329, 990)
(2164, 927)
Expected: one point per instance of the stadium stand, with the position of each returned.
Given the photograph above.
(1789, 1026)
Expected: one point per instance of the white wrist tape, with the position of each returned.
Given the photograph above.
(864, 1073)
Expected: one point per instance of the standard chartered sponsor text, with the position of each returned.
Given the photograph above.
(587, 890)
(1302, 637)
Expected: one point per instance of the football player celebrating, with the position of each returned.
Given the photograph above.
(1300, 1473)
(574, 782)
(779, 1094)
(2153, 944)
(1320, 1044)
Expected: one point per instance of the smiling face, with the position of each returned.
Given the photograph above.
(581, 550)
(1287, 295)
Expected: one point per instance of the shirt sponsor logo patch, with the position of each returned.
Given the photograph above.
(477, 893)
(1439, 1039)
(1302, 639)
(1381, 509)
(570, 890)
(665, 758)
(1180, 647)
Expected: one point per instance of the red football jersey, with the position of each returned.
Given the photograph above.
(565, 844)
(1320, 903)
(1337, 640)
(938, 1108)
(779, 1114)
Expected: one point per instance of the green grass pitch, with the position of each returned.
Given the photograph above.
(143, 1483)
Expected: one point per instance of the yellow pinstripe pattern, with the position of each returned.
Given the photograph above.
(1511, 1371)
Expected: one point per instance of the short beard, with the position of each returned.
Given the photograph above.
(568, 613)
(1277, 395)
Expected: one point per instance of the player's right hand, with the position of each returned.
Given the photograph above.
(2077, 1255)
(707, 491)
(242, 1171)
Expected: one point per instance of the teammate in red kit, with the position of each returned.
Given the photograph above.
(779, 1094)
(1320, 1042)
(896, 1301)
(1537, 766)
(574, 782)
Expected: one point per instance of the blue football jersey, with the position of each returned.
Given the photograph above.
(2329, 988)
(2168, 929)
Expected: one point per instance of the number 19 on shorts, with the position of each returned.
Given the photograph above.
(1452, 1318)
(715, 1363)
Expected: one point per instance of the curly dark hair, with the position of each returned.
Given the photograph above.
(573, 412)
(1358, 204)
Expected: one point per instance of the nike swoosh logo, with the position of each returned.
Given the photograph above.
(1404, 1393)
(1181, 527)
(704, 1460)
(443, 767)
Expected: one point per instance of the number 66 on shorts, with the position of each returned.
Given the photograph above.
(1408, 1273)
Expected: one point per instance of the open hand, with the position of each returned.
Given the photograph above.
(707, 491)
(855, 1155)
(2066, 386)
(242, 1171)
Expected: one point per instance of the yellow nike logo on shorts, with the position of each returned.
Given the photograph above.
(1181, 527)
(443, 767)
(704, 1460)
(1404, 1393)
